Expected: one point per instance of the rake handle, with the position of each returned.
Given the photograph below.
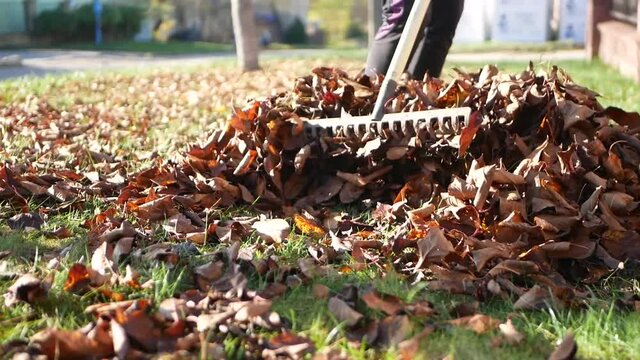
(401, 55)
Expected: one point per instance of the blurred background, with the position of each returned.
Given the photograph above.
(603, 28)
(314, 23)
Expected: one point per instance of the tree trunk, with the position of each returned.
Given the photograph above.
(29, 14)
(244, 31)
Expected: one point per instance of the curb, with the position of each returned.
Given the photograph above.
(10, 60)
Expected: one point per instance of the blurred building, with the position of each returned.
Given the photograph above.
(613, 34)
(520, 21)
(206, 20)
(210, 20)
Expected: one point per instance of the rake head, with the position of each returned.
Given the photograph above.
(435, 123)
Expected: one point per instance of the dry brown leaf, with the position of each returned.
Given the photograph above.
(389, 304)
(510, 332)
(320, 291)
(478, 323)
(536, 298)
(272, 230)
(469, 132)
(72, 344)
(308, 227)
(434, 247)
(343, 312)
(566, 350)
(393, 330)
(27, 288)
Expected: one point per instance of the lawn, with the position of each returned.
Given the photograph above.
(139, 119)
(348, 47)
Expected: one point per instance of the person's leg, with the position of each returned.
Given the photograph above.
(433, 47)
(394, 16)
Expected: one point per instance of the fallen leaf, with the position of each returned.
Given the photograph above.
(393, 330)
(70, 345)
(478, 323)
(27, 288)
(389, 304)
(320, 291)
(343, 312)
(536, 298)
(433, 247)
(26, 220)
(78, 278)
(566, 350)
(629, 119)
(272, 230)
(469, 132)
(510, 332)
(289, 345)
(308, 227)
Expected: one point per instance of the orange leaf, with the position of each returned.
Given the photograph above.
(469, 132)
(78, 278)
(308, 227)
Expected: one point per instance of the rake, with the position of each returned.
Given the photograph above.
(434, 122)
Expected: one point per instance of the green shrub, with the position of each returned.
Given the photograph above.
(57, 24)
(118, 22)
(355, 31)
(295, 33)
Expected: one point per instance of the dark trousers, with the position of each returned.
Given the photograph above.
(432, 46)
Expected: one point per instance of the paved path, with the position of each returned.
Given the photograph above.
(42, 62)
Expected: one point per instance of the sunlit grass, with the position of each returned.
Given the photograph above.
(601, 330)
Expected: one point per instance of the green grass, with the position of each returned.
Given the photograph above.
(492, 46)
(159, 48)
(601, 330)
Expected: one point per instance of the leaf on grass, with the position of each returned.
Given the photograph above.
(343, 312)
(72, 344)
(139, 326)
(308, 226)
(59, 233)
(158, 209)
(289, 345)
(101, 259)
(27, 288)
(389, 304)
(26, 220)
(510, 333)
(273, 290)
(465, 309)
(410, 348)
(566, 350)
(272, 230)
(393, 330)
(78, 278)
(252, 309)
(320, 291)
(478, 323)
(535, 298)
(179, 224)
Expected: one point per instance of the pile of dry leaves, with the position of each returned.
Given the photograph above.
(535, 198)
